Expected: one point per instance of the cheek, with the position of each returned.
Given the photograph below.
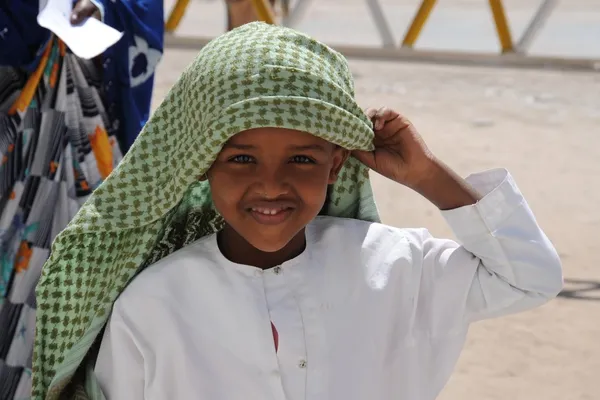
(312, 186)
(226, 191)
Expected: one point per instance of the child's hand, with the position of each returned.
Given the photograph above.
(400, 153)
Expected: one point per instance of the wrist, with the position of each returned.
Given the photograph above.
(444, 187)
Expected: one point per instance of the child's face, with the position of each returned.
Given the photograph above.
(269, 183)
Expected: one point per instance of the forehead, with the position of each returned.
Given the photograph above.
(276, 137)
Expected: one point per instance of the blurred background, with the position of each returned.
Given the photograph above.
(539, 117)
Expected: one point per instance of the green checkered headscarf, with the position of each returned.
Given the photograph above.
(258, 75)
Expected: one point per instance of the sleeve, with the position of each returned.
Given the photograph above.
(141, 18)
(120, 365)
(502, 264)
(21, 37)
(134, 59)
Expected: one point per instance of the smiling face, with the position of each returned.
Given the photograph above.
(269, 183)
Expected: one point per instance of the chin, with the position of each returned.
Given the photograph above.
(275, 239)
(269, 245)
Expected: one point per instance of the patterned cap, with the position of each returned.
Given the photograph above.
(255, 76)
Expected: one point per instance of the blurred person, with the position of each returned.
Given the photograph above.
(65, 123)
(240, 12)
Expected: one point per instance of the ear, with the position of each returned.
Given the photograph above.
(340, 155)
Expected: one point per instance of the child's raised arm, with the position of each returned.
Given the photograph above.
(503, 262)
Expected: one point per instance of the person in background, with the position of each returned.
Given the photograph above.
(240, 12)
(65, 123)
(129, 65)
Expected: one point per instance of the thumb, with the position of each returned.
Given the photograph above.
(365, 157)
(82, 10)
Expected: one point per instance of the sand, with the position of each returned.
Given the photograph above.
(545, 128)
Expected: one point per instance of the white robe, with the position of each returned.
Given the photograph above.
(367, 311)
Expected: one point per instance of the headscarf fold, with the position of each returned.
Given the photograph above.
(153, 204)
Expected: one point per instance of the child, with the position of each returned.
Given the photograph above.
(248, 293)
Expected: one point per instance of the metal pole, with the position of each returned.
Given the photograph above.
(285, 7)
(501, 25)
(413, 32)
(296, 13)
(176, 15)
(430, 56)
(263, 10)
(387, 37)
(536, 24)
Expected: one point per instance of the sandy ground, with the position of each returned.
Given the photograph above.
(545, 128)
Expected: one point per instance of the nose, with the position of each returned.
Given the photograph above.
(271, 181)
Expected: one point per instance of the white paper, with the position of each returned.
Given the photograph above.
(87, 40)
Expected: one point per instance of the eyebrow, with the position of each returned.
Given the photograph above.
(315, 147)
(239, 146)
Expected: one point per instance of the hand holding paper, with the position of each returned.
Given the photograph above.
(87, 39)
(84, 9)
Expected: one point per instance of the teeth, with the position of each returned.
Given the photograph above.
(267, 211)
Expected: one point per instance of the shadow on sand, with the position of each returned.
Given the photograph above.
(579, 289)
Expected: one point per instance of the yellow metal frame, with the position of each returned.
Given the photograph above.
(262, 7)
(176, 15)
(264, 11)
(414, 30)
(513, 55)
(501, 25)
(424, 11)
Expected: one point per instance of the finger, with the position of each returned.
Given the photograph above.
(375, 116)
(378, 123)
(396, 124)
(392, 130)
(370, 112)
(82, 10)
(400, 116)
(365, 157)
(387, 114)
(382, 116)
